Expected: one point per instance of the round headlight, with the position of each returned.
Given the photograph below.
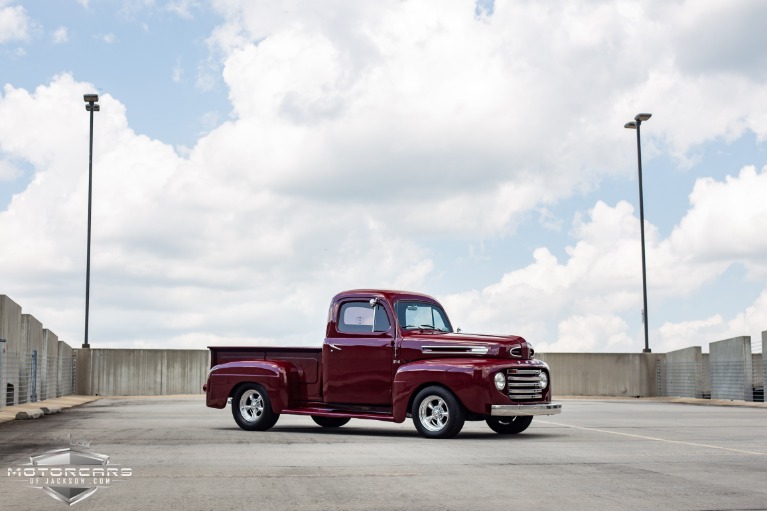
(500, 381)
(544, 380)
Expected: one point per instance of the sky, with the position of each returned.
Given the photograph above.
(252, 158)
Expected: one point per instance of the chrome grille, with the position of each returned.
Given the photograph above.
(524, 384)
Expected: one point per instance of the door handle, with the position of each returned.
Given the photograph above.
(334, 347)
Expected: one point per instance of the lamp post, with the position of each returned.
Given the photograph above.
(635, 125)
(91, 107)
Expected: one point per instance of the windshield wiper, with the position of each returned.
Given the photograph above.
(424, 327)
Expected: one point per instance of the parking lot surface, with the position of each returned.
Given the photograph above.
(598, 454)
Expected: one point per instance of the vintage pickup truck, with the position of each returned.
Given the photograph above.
(387, 355)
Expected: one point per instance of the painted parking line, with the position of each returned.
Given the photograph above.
(656, 439)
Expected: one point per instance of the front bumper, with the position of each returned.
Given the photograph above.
(536, 409)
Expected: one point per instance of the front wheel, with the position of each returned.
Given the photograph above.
(509, 425)
(252, 408)
(437, 413)
(330, 422)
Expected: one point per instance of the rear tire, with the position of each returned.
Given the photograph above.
(437, 413)
(509, 425)
(252, 408)
(330, 422)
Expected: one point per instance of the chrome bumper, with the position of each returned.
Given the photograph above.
(513, 410)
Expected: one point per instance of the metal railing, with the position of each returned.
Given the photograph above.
(741, 381)
(28, 377)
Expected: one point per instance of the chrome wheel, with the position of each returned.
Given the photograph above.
(433, 413)
(437, 413)
(251, 405)
(252, 408)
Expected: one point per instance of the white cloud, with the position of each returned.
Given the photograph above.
(106, 38)
(60, 35)
(183, 8)
(751, 322)
(599, 282)
(593, 332)
(727, 221)
(674, 336)
(364, 133)
(170, 233)
(15, 24)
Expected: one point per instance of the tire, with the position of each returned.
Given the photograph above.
(509, 425)
(437, 413)
(330, 422)
(252, 408)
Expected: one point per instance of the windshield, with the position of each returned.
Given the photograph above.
(422, 316)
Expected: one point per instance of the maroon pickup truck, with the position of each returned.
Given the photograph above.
(387, 355)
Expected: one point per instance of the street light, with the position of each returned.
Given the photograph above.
(91, 107)
(634, 125)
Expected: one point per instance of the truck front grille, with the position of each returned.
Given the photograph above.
(524, 384)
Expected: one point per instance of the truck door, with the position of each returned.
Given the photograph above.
(357, 354)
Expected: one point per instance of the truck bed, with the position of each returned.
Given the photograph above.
(307, 360)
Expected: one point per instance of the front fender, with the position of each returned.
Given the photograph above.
(457, 374)
(274, 376)
(470, 379)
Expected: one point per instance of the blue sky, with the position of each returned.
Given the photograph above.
(253, 158)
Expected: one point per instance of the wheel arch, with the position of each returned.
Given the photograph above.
(424, 385)
(275, 377)
(411, 378)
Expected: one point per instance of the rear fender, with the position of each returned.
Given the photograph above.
(275, 376)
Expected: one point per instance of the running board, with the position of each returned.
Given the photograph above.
(335, 412)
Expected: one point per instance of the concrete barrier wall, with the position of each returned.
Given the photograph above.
(34, 363)
(48, 365)
(731, 369)
(10, 331)
(684, 373)
(32, 337)
(728, 372)
(126, 372)
(117, 372)
(10, 321)
(65, 370)
(603, 374)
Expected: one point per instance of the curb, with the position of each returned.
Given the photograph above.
(36, 410)
(32, 413)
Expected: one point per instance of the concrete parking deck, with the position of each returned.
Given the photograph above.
(598, 454)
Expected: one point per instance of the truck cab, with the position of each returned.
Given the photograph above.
(387, 355)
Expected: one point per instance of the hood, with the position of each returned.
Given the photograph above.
(420, 344)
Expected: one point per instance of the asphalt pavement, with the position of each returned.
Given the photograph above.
(176, 454)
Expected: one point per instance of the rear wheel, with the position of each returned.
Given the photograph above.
(252, 408)
(330, 422)
(509, 425)
(437, 413)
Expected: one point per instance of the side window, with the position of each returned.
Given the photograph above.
(361, 318)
